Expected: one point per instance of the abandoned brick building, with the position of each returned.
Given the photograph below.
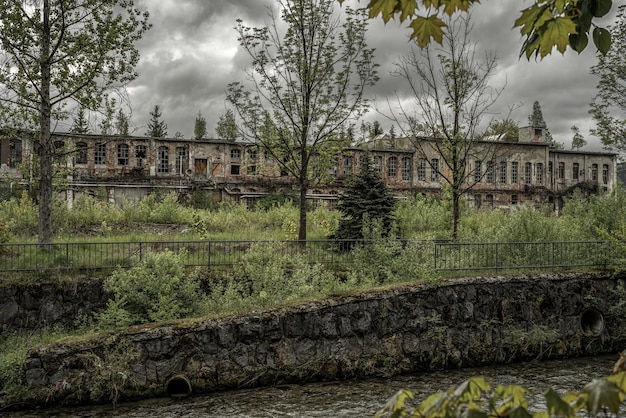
(501, 174)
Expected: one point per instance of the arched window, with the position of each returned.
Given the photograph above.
(100, 153)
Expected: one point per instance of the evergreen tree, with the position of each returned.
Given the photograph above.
(199, 129)
(122, 123)
(535, 120)
(156, 127)
(365, 194)
(376, 129)
(80, 125)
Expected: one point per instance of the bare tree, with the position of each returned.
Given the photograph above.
(449, 85)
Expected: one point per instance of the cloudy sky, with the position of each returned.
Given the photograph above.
(191, 54)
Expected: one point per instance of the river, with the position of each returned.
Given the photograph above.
(358, 398)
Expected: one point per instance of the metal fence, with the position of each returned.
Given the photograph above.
(441, 256)
(498, 256)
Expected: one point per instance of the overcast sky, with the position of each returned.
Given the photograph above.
(191, 54)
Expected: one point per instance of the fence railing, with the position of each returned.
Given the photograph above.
(498, 256)
(440, 255)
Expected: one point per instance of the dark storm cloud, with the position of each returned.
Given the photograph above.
(191, 54)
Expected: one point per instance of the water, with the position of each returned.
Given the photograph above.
(361, 398)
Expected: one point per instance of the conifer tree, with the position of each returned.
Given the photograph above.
(365, 194)
(535, 120)
(156, 127)
(80, 124)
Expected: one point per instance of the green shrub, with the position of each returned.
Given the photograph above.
(386, 260)
(154, 290)
(270, 274)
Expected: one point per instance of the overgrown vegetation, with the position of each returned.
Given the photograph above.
(155, 289)
(161, 216)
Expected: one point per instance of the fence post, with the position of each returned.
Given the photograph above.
(497, 246)
(140, 251)
(553, 260)
(435, 255)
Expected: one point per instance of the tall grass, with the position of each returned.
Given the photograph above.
(589, 218)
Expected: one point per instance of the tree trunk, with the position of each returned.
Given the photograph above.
(46, 149)
(456, 213)
(302, 217)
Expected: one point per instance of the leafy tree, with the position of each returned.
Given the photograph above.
(122, 123)
(545, 24)
(366, 197)
(55, 51)
(578, 141)
(450, 87)
(199, 128)
(609, 106)
(156, 127)
(227, 127)
(80, 124)
(308, 81)
(503, 130)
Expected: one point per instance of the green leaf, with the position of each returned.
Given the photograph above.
(386, 8)
(602, 392)
(532, 18)
(578, 41)
(519, 412)
(407, 8)
(556, 405)
(426, 28)
(602, 40)
(602, 7)
(556, 33)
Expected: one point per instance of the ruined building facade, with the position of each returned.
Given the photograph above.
(501, 174)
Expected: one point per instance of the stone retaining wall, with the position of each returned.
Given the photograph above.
(457, 323)
(36, 306)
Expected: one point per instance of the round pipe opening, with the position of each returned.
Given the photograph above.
(592, 322)
(178, 386)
